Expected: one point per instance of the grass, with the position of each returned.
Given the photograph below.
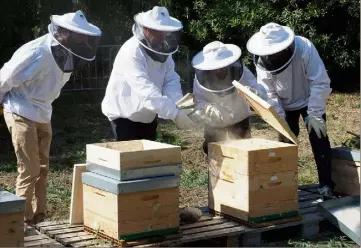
(78, 121)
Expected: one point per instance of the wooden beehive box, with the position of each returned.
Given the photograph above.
(131, 210)
(254, 180)
(129, 160)
(346, 170)
(11, 220)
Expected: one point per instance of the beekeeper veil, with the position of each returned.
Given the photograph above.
(158, 33)
(217, 66)
(75, 40)
(273, 48)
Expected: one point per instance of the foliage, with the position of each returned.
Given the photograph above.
(332, 25)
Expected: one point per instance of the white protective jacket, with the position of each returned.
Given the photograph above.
(303, 83)
(139, 88)
(32, 80)
(234, 102)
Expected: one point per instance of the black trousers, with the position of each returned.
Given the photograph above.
(240, 130)
(321, 148)
(125, 130)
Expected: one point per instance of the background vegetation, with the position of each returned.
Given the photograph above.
(333, 25)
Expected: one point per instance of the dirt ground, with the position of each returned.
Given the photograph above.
(78, 121)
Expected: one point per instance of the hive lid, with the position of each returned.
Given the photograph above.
(124, 187)
(266, 112)
(10, 203)
(345, 153)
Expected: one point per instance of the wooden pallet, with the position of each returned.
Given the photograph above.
(209, 227)
(308, 227)
(33, 238)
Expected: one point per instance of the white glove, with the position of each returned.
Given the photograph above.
(318, 124)
(182, 121)
(208, 113)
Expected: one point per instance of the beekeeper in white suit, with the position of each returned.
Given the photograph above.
(297, 84)
(224, 111)
(143, 83)
(29, 83)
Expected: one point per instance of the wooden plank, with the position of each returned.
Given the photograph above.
(203, 224)
(211, 234)
(72, 240)
(63, 231)
(42, 242)
(76, 204)
(57, 227)
(266, 112)
(70, 235)
(50, 223)
(88, 243)
(228, 224)
(234, 231)
(35, 237)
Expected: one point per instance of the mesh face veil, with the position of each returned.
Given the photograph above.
(158, 44)
(71, 49)
(219, 81)
(278, 62)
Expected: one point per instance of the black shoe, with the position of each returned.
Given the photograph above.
(326, 193)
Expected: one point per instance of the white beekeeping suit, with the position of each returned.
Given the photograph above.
(291, 70)
(223, 110)
(216, 98)
(297, 79)
(143, 83)
(29, 82)
(37, 71)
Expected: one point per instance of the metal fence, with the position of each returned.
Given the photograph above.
(95, 75)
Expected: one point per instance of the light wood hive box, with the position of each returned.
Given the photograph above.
(346, 170)
(131, 210)
(137, 159)
(254, 180)
(11, 220)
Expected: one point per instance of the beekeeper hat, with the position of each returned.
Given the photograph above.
(76, 22)
(216, 55)
(158, 19)
(272, 38)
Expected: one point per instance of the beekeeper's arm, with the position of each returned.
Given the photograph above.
(24, 65)
(272, 97)
(172, 87)
(319, 89)
(137, 78)
(319, 81)
(251, 81)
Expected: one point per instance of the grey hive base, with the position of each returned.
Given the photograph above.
(134, 174)
(10, 203)
(124, 187)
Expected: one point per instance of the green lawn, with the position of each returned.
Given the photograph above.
(78, 121)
